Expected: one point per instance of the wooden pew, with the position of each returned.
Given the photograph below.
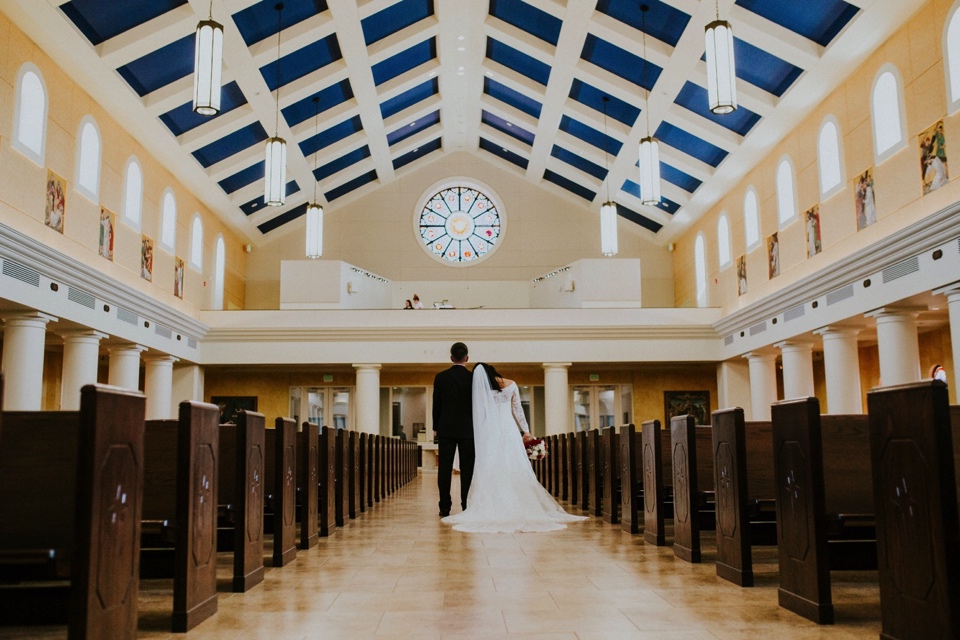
(653, 442)
(821, 464)
(369, 474)
(327, 488)
(241, 491)
(384, 471)
(308, 481)
(918, 526)
(580, 469)
(554, 482)
(352, 469)
(340, 476)
(179, 534)
(571, 463)
(631, 485)
(611, 475)
(693, 484)
(71, 490)
(362, 472)
(564, 470)
(594, 494)
(377, 468)
(280, 480)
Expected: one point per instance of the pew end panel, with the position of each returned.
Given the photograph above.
(308, 480)
(284, 477)
(327, 518)
(734, 556)
(630, 485)
(686, 493)
(611, 475)
(653, 488)
(250, 463)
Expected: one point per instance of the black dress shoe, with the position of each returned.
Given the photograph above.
(444, 514)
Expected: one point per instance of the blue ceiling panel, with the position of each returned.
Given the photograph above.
(404, 61)
(99, 21)
(683, 180)
(409, 98)
(593, 98)
(341, 163)
(353, 185)
(329, 97)
(518, 61)
(413, 128)
(508, 128)
(394, 18)
(259, 21)
(329, 136)
(569, 185)
(763, 69)
(302, 61)
(515, 99)
(416, 154)
(690, 144)
(640, 219)
(242, 178)
(183, 118)
(230, 144)
(695, 98)
(578, 161)
(590, 135)
(527, 18)
(258, 203)
(620, 62)
(666, 204)
(817, 20)
(161, 67)
(283, 218)
(663, 22)
(506, 154)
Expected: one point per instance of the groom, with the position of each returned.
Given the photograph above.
(453, 422)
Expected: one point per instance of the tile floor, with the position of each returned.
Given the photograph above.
(397, 572)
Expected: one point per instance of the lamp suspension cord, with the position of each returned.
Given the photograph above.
(279, 8)
(211, 10)
(316, 157)
(606, 158)
(643, 30)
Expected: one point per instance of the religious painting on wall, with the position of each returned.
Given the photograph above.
(773, 256)
(933, 158)
(811, 218)
(741, 275)
(231, 406)
(108, 223)
(178, 277)
(56, 201)
(680, 403)
(865, 201)
(146, 258)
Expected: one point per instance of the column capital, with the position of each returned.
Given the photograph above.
(760, 356)
(28, 319)
(367, 367)
(126, 346)
(833, 330)
(951, 290)
(82, 335)
(894, 313)
(160, 358)
(557, 365)
(794, 345)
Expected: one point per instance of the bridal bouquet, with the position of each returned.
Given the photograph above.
(536, 449)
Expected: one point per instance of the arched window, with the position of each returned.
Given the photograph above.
(829, 160)
(751, 218)
(196, 244)
(700, 264)
(88, 159)
(133, 193)
(786, 193)
(168, 221)
(886, 107)
(723, 241)
(951, 56)
(219, 268)
(30, 113)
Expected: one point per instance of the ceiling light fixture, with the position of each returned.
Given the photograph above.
(314, 210)
(275, 169)
(721, 66)
(649, 147)
(207, 65)
(608, 211)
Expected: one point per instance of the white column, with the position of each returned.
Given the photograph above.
(556, 397)
(763, 383)
(22, 365)
(733, 386)
(81, 357)
(125, 365)
(841, 363)
(158, 386)
(368, 397)
(953, 304)
(898, 345)
(797, 369)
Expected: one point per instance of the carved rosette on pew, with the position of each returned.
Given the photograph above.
(308, 480)
(653, 489)
(630, 486)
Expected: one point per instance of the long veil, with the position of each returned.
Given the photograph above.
(484, 415)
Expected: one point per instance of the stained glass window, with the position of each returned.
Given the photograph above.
(459, 224)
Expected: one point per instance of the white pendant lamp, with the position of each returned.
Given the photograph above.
(314, 235)
(275, 169)
(608, 211)
(721, 66)
(649, 146)
(207, 65)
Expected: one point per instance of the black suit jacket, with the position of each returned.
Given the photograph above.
(453, 403)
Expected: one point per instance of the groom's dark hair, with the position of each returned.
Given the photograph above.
(458, 352)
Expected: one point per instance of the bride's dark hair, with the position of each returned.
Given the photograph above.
(492, 375)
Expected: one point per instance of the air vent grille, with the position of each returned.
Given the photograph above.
(19, 272)
(192, 343)
(793, 313)
(81, 297)
(127, 316)
(839, 295)
(161, 330)
(758, 328)
(902, 268)
(728, 340)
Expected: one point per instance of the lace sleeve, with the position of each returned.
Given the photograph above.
(517, 410)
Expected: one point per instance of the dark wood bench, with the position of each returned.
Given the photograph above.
(71, 490)
(573, 490)
(611, 475)
(340, 476)
(308, 483)
(553, 481)
(580, 469)
(825, 508)
(280, 481)
(369, 470)
(912, 442)
(693, 485)
(352, 469)
(327, 486)
(631, 479)
(563, 468)
(362, 472)
(656, 465)
(593, 502)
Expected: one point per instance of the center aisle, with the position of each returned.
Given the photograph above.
(397, 572)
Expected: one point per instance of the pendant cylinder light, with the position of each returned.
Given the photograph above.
(650, 171)
(721, 67)
(314, 231)
(275, 172)
(608, 229)
(207, 65)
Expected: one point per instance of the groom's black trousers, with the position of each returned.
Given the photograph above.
(446, 450)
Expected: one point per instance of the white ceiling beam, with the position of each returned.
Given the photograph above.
(145, 38)
(611, 84)
(516, 81)
(214, 129)
(519, 40)
(461, 89)
(340, 147)
(703, 128)
(413, 113)
(366, 8)
(239, 161)
(633, 203)
(575, 174)
(590, 116)
(771, 37)
(688, 164)
(508, 113)
(332, 116)
(397, 43)
(265, 213)
(406, 81)
(583, 149)
(504, 141)
(629, 39)
(293, 38)
(416, 141)
(750, 96)
(309, 84)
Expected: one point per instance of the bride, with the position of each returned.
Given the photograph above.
(505, 495)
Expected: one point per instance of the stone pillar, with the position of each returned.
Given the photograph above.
(898, 345)
(428, 423)
(953, 304)
(841, 363)
(24, 335)
(187, 381)
(797, 369)
(556, 397)
(368, 397)
(763, 383)
(733, 386)
(158, 387)
(125, 366)
(81, 357)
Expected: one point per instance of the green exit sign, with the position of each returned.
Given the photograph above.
(594, 377)
(328, 377)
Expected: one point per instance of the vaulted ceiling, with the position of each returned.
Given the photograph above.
(400, 83)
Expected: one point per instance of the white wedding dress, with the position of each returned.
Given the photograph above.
(505, 495)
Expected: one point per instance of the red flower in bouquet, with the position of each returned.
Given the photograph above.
(536, 449)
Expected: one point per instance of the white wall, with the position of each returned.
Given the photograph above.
(330, 284)
(590, 283)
